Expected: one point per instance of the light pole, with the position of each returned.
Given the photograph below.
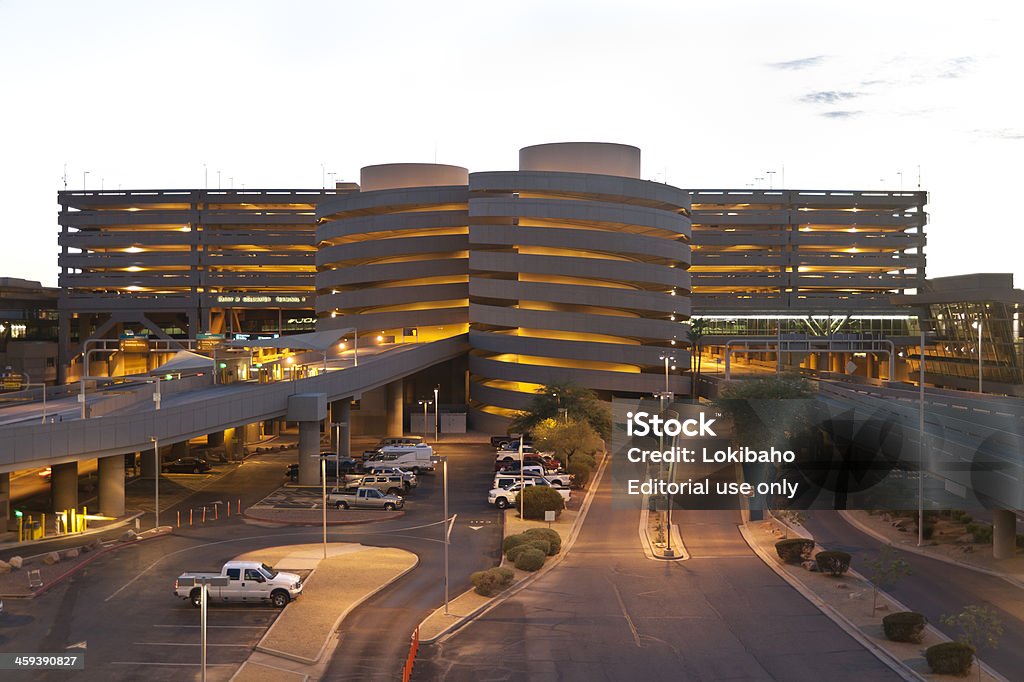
(156, 393)
(156, 479)
(437, 414)
(425, 404)
(667, 359)
(978, 324)
(447, 530)
(920, 442)
(323, 492)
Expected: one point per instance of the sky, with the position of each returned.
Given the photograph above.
(806, 95)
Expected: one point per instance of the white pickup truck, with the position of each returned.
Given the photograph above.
(506, 497)
(248, 581)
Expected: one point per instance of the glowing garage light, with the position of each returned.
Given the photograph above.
(133, 249)
(290, 360)
(342, 345)
(133, 268)
(380, 338)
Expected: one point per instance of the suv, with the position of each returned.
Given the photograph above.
(389, 484)
(409, 477)
(392, 440)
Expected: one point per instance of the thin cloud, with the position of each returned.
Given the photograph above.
(841, 114)
(1003, 133)
(828, 96)
(797, 64)
(955, 68)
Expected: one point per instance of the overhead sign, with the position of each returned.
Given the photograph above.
(258, 299)
(134, 345)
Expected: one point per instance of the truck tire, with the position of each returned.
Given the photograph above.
(416, 470)
(502, 443)
(196, 597)
(394, 491)
(507, 458)
(389, 506)
(279, 598)
(501, 503)
(195, 470)
(341, 505)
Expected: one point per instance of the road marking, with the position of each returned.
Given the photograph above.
(246, 646)
(194, 665)
(476, 527)
(239, 627)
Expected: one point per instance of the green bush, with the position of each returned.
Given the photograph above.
(950, 658)
(832, 562)
(513, 552)
(512, 541)
(491, 581)
(980, 533)
(585, 459)
(794, 550)
(904, 626)
(539, 499)
(552, 536)
(580, 472)
(530, 559)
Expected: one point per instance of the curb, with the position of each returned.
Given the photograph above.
(848, 627)
(85, 562)
(334, 628)
(871, 532)
(525, 582)
(88, 533)
(645, 538)
(395, 515)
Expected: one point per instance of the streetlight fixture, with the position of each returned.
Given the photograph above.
(425, 404)
(437, 414)
(447, 528)
(977, 324)
(323, 492)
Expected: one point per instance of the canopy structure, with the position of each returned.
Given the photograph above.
(184, 361)
(320, 342)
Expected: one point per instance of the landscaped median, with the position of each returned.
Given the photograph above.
(850, 600)
(350, 574)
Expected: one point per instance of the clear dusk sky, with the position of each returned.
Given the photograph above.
(717, 94)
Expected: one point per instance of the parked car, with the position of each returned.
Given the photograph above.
(558, 479)
(414, 458)
(411, 480)
(187, 465)
(500, 441)
(512, 455)
(506, 497)
(389, 484)
(364, 498)
(248, 581)
(390, 441)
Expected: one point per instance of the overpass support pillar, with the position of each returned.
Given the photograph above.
(64, 486)
(5, 501)
(308, 409)
(341, 413)
(1004, 533)
(395, 404)
(215, 439)
(111, 473)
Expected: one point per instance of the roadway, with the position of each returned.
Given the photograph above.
(936, 588)
(609, 613)
(122, 608)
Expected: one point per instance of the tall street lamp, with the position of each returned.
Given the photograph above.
(425, 404)
(437, 415)
(977, 324)
(156, 479)
(447, 529)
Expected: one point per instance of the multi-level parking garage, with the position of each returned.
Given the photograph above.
(571, 269)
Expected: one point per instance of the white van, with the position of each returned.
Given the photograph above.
(414, 458)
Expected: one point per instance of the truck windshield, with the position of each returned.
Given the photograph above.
(268, 571)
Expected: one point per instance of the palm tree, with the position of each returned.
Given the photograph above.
(695, 335)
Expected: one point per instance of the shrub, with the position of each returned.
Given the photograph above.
(904, 626)
(585, 459)
(512, 541)
(552, 536)
(832, 562)
(950, 658)
(530, 559)
(979, 533)
(491, 581)
(580, 473)
(794, 550)
(539, 499)
(513, 553)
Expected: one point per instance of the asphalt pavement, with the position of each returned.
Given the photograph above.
(609, 613)
(936, 588)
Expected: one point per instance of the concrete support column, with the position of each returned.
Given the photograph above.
(812, 361)
(395, 405)
(111, 473)
(64, 486)
(1004, 533)
(147, 464)
(309, 453)
(871, 366)
(215, 439)
(5, 501)
(341, 413)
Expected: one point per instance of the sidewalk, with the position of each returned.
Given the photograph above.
(847, 600)
(977, 557)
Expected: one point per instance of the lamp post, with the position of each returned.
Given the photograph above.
(156, 479)
(447, 529)
(425, 404)
(920, 442)
(437, 414)
(323, 493)
(977, 324)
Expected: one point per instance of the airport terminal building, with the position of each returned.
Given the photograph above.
(571, 268)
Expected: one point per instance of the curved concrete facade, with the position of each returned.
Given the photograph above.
(571, 269)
